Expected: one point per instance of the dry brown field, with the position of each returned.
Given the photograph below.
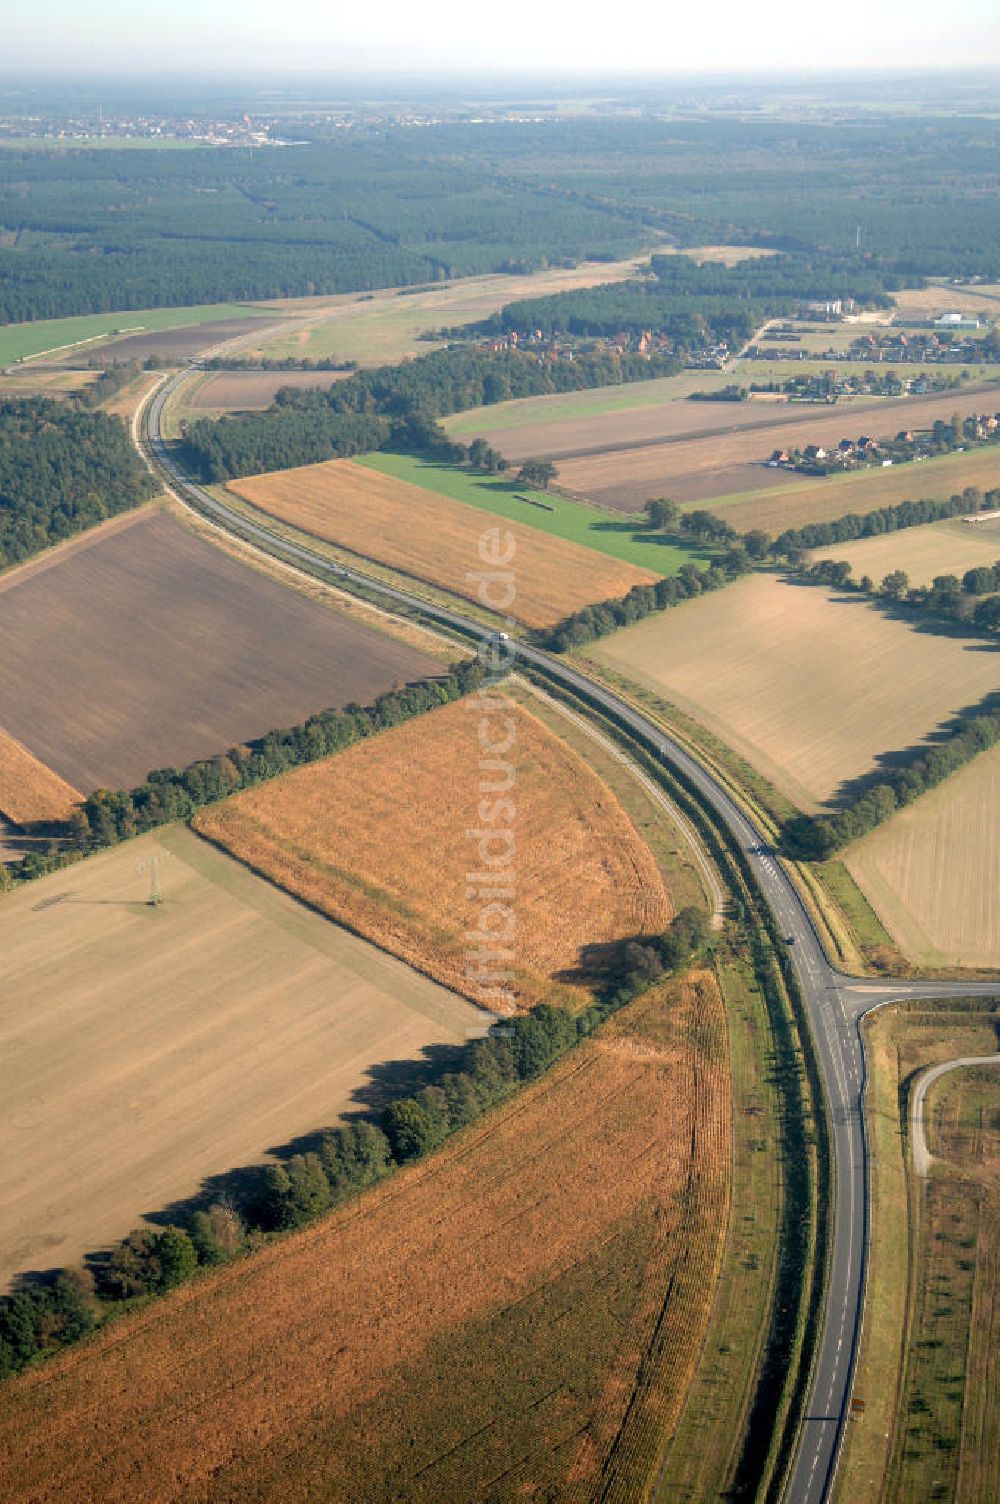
(697, 470)
(252, 391)
(808, 685)
(797, 500)
(148, 1048)
(582, 425)
(29, 791)
(931, 872)
(385, 326)
(433, 538)
(32, 382)
(566, 1246)
(924, 552)
(378, 837)
(141, 645)
(568, 425)
(929, 302)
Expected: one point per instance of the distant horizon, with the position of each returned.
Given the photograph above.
(445, 38)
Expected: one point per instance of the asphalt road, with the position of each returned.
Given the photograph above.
(835, 1002)
(922, 1157)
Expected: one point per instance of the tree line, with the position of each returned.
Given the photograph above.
(45, 1318)
(794, 542)
(970, 601)
(394, 407)
(168, 794)
(62, 469)
(819, 837)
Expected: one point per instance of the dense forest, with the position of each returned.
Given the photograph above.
(395, 406)
(695, 303)
(94, 231)
(62, 470)
(922, 192)
(98, 230)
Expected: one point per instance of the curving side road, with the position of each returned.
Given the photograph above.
(834, 1001)
(922, 1156)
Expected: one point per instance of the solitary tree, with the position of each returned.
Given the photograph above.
(539, 473)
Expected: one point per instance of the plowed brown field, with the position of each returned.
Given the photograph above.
(141, 645)
(433, 538)
(517, 1316)
(251, 391)
(378, 837)
(622, 474)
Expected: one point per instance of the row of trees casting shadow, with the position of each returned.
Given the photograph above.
(403, 1111)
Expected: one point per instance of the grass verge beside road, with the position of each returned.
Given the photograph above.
(923, 1406)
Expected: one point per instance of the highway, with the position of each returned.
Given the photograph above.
(835, 1002)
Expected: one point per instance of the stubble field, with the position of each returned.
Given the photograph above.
(147, 1048)
(141, 645)
(566, 1246)
(427, 536)
(923, 552)
(809, 686)
(931, 872)
(380, 837)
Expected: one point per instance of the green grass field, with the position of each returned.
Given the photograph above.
(615, 536)
(22, 341)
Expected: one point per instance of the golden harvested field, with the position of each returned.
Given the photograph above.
(931, 872)
(433, 538)
(798, 500)
(252, 391)
(564, 1248)
(809, 686)
(29, 791)
(623, 474)
(147, 1048)
(140, 645)
(378, 837)
(385, 327)
(941, 548)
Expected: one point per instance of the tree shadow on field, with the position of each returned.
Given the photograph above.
(917, 618)
(895, 761)
(384, 1081)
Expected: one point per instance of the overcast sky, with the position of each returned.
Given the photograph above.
(651, 36)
